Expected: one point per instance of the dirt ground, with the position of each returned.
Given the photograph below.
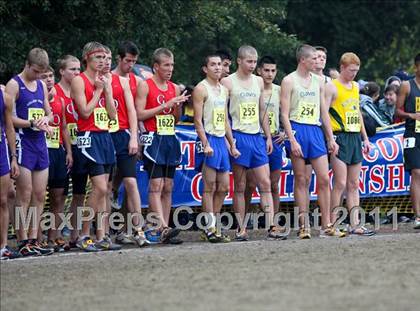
(353, 273)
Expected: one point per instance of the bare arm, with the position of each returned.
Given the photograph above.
(286, 91)
(12, 89)
(263, 111)
(132, 117)
(109, 99)
(10, 134)
(199, 96)
(66, 137)
(325, 105)
(78, 94)
(177, 108)
(402, 96)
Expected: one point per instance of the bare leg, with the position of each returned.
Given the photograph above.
(239, 178)
(155, 202)
(262, 175)
(56, 206)
(4, 209)
(320, 166)
(339, 184)
(275, 189)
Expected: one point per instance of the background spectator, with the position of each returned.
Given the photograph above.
(387, 104)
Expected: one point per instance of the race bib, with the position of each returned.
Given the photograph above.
(84, 142)
(219, 118)
(417, 110)
(248, 113)
(114, 125)
(165, 124)
(199, 148)
(146, 139)
(352, 123)
(101, 118)
(409, 142)
(272, 122)
(307, 113)
(72, 128)
(35, 114)
(53, 141)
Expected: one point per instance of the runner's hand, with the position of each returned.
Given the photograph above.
(367, 147)
(133, 146)
(269, 146)
(279, 138)
(99, 82)
(332, 147)
(296, 148)
(234, 152)
(208, 151)
(69, 161)
(177, 100)
(14, 168)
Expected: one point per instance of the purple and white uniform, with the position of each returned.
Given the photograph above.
(31, 144)
(4, 152)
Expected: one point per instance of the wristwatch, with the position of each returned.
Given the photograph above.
(32, 123)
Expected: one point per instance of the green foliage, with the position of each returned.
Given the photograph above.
(188, 28)
(385, 34)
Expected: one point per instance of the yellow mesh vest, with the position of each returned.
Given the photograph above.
(344, 111)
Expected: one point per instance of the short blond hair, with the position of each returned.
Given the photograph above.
(38, 56)
(349, 58)
(90, 48)
(304, 51)
(246, 50)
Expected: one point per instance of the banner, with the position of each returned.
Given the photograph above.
(382, 172)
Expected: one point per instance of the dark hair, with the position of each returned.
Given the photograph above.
(321, 48)
(417, 59)
(370, 89)
(392, 88)
(127, 47)
(266, 59)
(206, 59)
(224, 54)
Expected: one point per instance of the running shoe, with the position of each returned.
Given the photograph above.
(124, 238)
(277, 233)
(241, 237)
(167, 234)
(362, 231)
(211, 236)
(330, 231)
(41, 248)
(8, 253)
(25, 249)
(140, 239)
(304, 233)
(106, 244)
(71, 245)
(86, 244)
(153, 236)
(58, 245)
(224, 238)
(417, 223)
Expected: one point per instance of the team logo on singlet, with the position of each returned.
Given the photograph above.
(161, 101)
